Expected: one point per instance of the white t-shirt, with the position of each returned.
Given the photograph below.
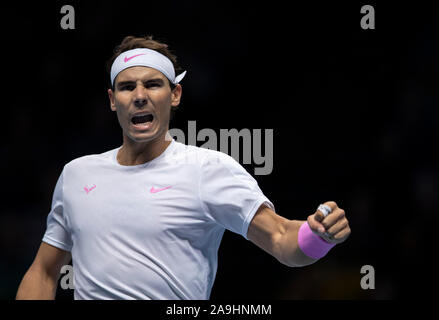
(150, 231)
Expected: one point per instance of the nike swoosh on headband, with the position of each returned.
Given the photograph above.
(147, 58)
(128, 59)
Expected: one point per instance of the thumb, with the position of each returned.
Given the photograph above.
(318, 216)
(314, 222)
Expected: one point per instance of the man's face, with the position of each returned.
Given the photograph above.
(142, 99)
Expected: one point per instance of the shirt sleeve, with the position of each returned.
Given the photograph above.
(57, 232)
(229, 194)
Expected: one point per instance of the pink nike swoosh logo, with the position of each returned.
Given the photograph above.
(154, 190)
(128, 59)
(87, 190)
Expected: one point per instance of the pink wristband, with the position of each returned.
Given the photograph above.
(311, 244)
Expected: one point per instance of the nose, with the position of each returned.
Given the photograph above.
(141, 98)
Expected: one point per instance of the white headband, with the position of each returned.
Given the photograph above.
(147, 58)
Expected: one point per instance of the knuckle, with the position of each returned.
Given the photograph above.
(341, 216)
(338, 236)
(333, 204)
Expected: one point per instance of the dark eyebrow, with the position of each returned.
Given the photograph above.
(124, 83)
(158, 80)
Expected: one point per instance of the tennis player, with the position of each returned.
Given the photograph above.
(145, 220)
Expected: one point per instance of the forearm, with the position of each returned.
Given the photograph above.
(288, 250)
(295, 243)
(37, 286)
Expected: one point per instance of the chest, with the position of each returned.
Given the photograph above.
(136, 203)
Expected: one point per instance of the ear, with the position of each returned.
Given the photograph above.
(111, 97)
(176, 95)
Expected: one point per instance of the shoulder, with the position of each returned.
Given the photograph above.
(214, 165)
(90, 160)
(202, 156)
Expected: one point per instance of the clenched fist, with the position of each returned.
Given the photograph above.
(334, 228)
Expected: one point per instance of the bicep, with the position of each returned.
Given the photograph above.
(50, 260)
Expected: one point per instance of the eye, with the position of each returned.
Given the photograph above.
(153, 85)
(129, 87)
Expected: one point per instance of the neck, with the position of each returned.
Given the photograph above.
(134, 153)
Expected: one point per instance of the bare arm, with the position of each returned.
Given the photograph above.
(278, 235)
(40, 281)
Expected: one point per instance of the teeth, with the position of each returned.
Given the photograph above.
(145, 118)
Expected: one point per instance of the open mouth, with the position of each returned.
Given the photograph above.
(142, 122)
(142, 119)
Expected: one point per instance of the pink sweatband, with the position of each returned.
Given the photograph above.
(311, 244)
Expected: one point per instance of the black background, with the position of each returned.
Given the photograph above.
(354, 114)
